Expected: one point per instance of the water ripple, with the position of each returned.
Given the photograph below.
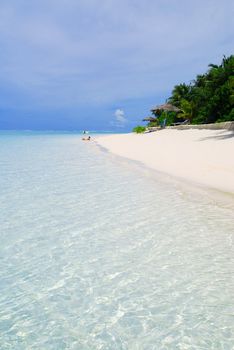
(96, 255)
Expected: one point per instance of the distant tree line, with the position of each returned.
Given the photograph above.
(209, 98)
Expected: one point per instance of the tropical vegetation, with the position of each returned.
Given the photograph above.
(139, 129)
(209, 98)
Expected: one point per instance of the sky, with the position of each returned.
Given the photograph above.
(102, 64)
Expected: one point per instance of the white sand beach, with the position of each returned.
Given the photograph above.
(205, 157)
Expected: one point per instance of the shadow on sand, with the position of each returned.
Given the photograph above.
(221, 135)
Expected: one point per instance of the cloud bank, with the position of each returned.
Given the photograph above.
(87, 54)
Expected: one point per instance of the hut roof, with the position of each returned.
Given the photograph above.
(165, 107)
(149, 119)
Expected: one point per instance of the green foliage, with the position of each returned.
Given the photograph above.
(180, 92)
(210, 98)
(153, 124)
(186, 109)
(139, 129)
(226, 118)
(166, 116)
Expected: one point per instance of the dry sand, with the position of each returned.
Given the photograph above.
(205, 157)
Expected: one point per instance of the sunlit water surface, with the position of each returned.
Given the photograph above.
(95, 254)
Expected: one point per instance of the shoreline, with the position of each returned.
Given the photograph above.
(202, 158)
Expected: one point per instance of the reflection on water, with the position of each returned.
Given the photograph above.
(95, 255)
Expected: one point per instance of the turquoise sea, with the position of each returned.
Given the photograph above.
(98, 253)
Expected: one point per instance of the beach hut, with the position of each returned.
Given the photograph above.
(167, 107)
(150, 119)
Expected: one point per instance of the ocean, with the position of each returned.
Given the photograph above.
(97, 252)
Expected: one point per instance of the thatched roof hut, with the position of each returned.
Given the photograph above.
(150, 119)
(167, 107)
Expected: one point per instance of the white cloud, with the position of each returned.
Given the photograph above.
(120, 119)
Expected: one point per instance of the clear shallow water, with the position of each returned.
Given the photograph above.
(95, 254)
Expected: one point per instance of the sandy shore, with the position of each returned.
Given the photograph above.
(205, 157)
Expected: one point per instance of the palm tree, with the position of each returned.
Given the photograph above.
(187, 109)
(179, 92)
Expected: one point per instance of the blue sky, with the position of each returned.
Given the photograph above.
(101, 64)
